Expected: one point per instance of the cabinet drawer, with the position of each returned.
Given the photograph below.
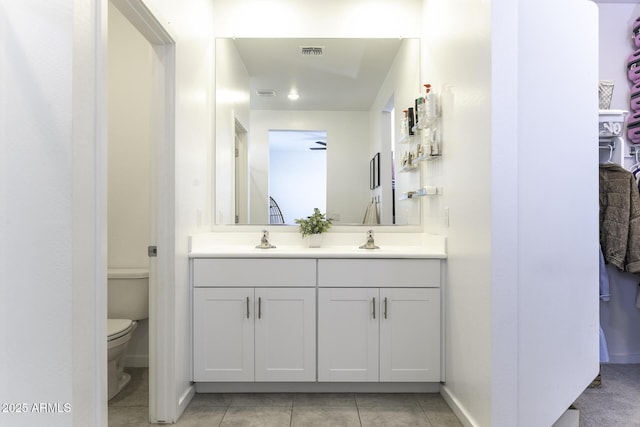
(379, 272)
(208, 272)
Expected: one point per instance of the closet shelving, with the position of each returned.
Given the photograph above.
(610, 132)
(611, 123)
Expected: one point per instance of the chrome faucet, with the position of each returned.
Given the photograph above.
(264, 241)
(370, 244)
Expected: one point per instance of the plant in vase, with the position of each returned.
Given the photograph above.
(313, 226)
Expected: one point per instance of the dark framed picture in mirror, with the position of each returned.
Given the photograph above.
(374, 172)
(371, 173)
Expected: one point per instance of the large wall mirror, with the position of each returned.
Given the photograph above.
(298, 121)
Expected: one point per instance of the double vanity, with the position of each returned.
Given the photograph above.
(336, 318)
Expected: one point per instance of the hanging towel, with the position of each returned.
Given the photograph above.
(370, 214)
(366, 214)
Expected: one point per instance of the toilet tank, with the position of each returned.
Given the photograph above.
(128, 291)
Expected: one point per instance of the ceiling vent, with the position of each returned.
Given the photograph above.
(266, 92)
(311, 50)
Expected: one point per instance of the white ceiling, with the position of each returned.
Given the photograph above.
(295, 140)
(346, 77)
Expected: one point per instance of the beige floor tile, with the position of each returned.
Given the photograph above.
(402, 416)
(257, 417)
(431, 401)
(209, 400)
(130, 409)
(128, 416)
(365, 400)
(261, 399)
(324, 399)
(442, 417)
(202, 417)
(325, 417)
(136, 393)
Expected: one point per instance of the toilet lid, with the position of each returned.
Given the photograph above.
(117, 327)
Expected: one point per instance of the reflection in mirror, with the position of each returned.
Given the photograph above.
(297, 174)
(352, 89)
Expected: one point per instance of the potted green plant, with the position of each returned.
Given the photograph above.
(313, 226)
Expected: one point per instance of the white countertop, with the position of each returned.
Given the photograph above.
(242, 245)
(242, 251)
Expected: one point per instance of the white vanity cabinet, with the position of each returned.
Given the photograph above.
(223, 331)
(316, 320)
(348, 334)
(247, 329)
(409, 334)
(379, 320)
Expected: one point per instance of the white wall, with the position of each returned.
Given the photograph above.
(619, 317)
(521, 304)
(129, 142)
(563, 264)
(129, 159)
(52, 251)
(462, 59)
(232, 103)
(402, 85)
(36, 182)
(347, 159)
(336, 18)
(558, 272)
(190, 24)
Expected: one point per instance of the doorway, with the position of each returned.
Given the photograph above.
(241, 181)
(159, 203)
(387, 191)
(297, 172)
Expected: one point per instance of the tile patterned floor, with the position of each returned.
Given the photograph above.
(130, 409)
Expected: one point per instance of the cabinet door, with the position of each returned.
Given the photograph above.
(223, 334)
(348, 334)
(410, 334)
(285, 328)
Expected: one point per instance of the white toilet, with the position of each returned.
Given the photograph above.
(128, 290)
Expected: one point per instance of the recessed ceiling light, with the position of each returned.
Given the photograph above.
(293, 96)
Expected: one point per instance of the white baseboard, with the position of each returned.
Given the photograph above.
(317, 387)
(184, 400)
(456, 407)
(136, 361)
(571, 418)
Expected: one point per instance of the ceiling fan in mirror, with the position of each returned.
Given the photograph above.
(323, 146)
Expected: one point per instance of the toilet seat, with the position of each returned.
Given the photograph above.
(117, 328)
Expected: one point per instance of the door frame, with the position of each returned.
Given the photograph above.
(162, 400)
